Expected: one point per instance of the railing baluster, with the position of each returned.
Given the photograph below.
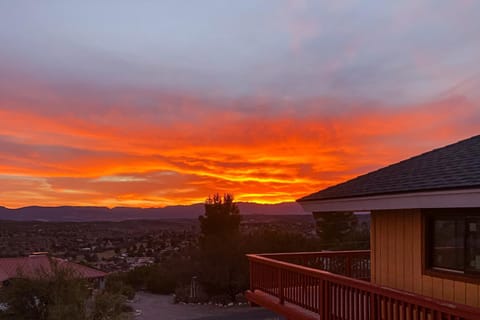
(372, 307)
(280, 286)
(348, 265)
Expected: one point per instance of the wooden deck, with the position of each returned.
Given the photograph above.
(304, 290)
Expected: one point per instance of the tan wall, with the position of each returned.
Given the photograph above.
(396, 241)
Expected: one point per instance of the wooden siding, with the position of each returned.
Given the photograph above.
(396, 241)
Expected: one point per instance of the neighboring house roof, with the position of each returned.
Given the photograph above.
(454, 167)
(33, 266)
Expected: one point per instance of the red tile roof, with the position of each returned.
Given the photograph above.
(33, 266)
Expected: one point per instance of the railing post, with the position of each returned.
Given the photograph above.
(325, 300)
(280, 287)
(321, 302)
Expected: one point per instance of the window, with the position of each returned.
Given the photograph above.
(448, 244)
(453, 241)
(473, 245)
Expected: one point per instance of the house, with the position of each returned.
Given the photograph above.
(424, 261)
(37, 265)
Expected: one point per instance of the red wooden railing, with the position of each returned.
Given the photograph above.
(337, 297)
(353, 264)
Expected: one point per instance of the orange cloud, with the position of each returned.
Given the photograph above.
(179, 149)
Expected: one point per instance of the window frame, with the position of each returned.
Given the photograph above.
(428, 217)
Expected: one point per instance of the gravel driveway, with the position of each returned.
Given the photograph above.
(160, 307)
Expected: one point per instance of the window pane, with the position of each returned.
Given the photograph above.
(448, 244)
(473, 244)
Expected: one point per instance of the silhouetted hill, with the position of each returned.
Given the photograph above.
(67, 213)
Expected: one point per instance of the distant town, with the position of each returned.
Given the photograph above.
(125, 245)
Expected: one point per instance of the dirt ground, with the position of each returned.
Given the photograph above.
(160, 307)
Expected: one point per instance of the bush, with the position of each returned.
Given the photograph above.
(158, 278)
(116, 284)
(108, 306)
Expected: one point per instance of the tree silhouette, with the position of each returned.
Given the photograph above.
(219, 244)
(222, 217)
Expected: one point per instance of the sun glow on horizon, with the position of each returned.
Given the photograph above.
(266, 164)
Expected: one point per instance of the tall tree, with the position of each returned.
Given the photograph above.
(219, 244)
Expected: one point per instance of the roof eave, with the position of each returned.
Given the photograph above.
(458, 198)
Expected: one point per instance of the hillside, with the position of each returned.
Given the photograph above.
(73, 214)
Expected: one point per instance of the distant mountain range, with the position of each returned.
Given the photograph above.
(80, 214)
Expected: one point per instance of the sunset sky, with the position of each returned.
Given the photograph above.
(155, 103)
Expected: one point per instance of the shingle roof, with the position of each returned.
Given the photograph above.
(456, 166)
(33, 266)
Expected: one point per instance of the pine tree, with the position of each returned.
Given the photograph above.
(219, 243)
